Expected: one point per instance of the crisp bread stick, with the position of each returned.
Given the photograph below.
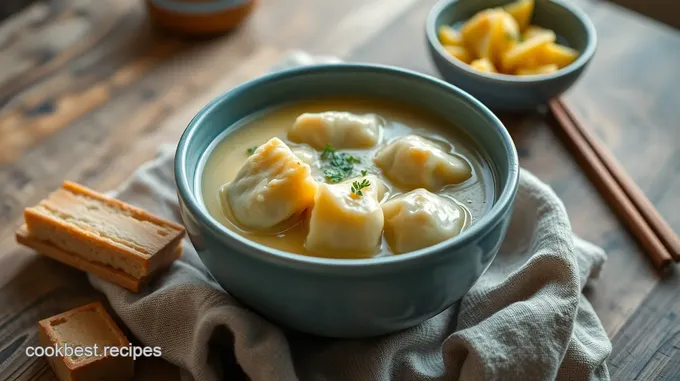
(105, 230)
(105, 272)
(85, 327)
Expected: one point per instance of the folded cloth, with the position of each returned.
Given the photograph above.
(525, 319)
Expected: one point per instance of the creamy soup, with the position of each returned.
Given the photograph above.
(346, 178)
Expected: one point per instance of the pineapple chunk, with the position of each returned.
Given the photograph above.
(526, 53)
(489, 37)
(483, 64)
(449, 36)
(476, 29)
(502, 40)
(521, 11)
(545, 69)
(490, 33)
(504, 35)
(558, 54)
(458, 52)
(484, 48)
(533, 31)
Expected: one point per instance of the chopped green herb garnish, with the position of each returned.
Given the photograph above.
(334, 175)
(337, 165)
(251, 150)
(328, 152)
(364, 172)
(353, 159)
(358, 186)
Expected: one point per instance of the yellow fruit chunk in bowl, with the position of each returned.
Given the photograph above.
(521, 11)
(533, 31)
(483, 64)
(490, 33)
(559, 55)
(459, 52)
(475, 30)
(545, 69)
(504, 34)
(517, 53)
(526, 53)
(449, 36)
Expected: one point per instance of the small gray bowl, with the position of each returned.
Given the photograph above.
(336, 297)
(502, 92)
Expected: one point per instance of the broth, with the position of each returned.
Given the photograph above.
(230, 151)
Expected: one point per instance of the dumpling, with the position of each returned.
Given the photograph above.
(415, 162)
(272, 186)
(343, 220)
(377, 185)
(420, 218)
(339, 129)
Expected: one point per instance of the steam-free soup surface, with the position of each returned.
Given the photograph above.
(231, 151)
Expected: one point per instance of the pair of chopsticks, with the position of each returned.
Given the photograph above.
(658, 240)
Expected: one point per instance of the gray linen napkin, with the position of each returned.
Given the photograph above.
(525, 319)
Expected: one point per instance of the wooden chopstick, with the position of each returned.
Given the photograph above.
(663, 231)
(608, 186)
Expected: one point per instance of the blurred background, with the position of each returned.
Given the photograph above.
(666, 11)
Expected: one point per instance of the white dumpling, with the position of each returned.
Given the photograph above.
(420, 218)
(339, 129)
(272, 186)
(345, 221)
(415, 162)
(377, 185)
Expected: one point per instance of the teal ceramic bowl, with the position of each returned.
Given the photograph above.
(502, 92)
(336, 297)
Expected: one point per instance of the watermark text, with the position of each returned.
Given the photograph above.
(95, 350)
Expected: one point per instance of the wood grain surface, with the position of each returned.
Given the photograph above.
(88, 90)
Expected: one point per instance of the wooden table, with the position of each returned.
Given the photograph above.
(88, 91)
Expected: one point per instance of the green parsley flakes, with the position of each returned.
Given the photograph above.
(357, 186)
(337, 166)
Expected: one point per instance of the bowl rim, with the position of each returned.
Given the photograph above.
(505, 199)
(582, 60)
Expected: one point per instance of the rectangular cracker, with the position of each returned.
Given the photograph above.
(105, 272)
(101, 229)
(85, 327)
